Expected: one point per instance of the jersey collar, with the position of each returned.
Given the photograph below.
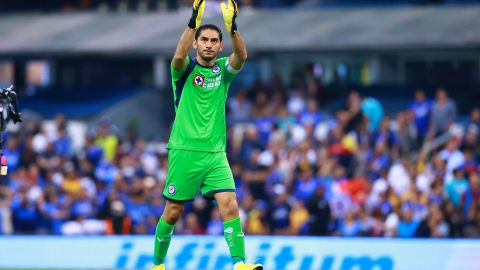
(195, 60)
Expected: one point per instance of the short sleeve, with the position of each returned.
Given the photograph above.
(230, 72)
(176, 75)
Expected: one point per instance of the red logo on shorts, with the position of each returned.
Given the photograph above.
(198, 80)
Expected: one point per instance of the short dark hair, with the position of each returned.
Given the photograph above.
(208, 26)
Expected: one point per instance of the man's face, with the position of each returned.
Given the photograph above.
(208, 44)
(441, 95)
(420, 96)
(475, 114)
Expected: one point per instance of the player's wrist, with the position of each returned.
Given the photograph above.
(192, 23)
(197, 14)
(234, 28)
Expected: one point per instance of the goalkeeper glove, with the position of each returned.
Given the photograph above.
(229, 15)
(197, 14)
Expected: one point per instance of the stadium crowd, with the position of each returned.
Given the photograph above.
(298, 170)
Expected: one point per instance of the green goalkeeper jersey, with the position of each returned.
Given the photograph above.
(200, 94)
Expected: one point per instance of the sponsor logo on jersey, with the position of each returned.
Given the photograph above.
(212, 82)
(216, 69)
(198, 80)
(171, 189)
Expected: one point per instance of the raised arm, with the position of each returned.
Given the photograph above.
(239, 55)
(185, 43)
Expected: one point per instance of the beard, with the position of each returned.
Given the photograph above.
(207, 58)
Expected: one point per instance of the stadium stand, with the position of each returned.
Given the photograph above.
(298, 171)
(348, 158)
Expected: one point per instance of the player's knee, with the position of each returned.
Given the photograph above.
(231, 208)
(172, 213)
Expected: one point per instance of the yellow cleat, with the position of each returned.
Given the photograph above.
(158, 267)
(248, 266)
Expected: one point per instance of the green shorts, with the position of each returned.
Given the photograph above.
(190, 170)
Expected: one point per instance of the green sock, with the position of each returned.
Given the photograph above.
(163, 236)
(235, 239)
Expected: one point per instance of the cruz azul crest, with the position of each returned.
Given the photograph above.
(198, 80)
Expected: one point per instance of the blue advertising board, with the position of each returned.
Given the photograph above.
(211, 253)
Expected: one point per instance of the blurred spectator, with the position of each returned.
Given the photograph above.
(453, 157)
(407, 225)
(421, 108)
(284, 119)
(474, 121)
(319, 212)
(114, 212)
(377, 224)
(12, 151)
(257, 216)
(28, 155)
(250, 143)
(305, 185)
(25, 214)
(256, 174)
(398, 176)
(107, 141)
(6, 226)
(298, 218)
(352, 115)
(433, 225)
(137, 206)
(278, 212)
(392, 222)
(472, 222)
(240, 107)
(372, 109)
(215, 225)
(456, 189)
(63, 143)
(311, 115)
(93, 152)
(367, 223)
(202, 209)
(71, 184)
(350, 225)
(191, 225)
(54, 210)
(296, 103)
(472, 194)
(407, 139)
(455, 220)
(444, 113)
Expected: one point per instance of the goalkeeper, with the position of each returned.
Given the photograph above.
(197, 157)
